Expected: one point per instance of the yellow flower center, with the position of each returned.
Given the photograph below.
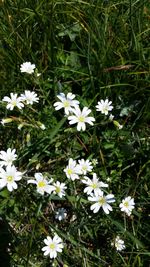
(102, 201)
(14, 103)
(84, 168)
(105, 109)
(81, 119)
(126, 204)
(9, 160)
(41, 184)
(9, 178)
(70, 171)
(94, 186)
(52, 246)
(57, 189)
(66, 104)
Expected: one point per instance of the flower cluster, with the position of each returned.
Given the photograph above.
(95, 194)
(81, 117)
(27, 98)
(74, 169)
(71, 108)
(8, 172)
(80, 171)
(44, 185)
(94, 187)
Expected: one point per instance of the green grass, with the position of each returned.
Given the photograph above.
(95, 49)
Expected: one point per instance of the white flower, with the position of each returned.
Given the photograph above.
(104, 106)
(42, 184)
(29, 97)
(67, 102)
(72, 170)
(7, 158)
(27, 67)
(127, 205)
(52, 246)
(9, 177)
(85, 166)
(60, 214)
(119, 243)
(81, 117)
(59, 189)
(120, 126)
(102, 201)
(111, 117)
(13, 101)
(94, 185)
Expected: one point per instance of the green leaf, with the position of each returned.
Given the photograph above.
(4, 193)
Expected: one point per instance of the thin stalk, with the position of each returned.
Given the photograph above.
(32, 234)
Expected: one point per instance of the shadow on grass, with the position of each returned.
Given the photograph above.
(5, 239)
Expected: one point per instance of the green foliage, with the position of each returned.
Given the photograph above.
(95, 49)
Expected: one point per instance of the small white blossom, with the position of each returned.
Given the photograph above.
(43, 185)
(120, 126)
(13, 101)
(101, 201)
(59, 189)
(29, 97)
(85, 166)
(104, 106)
(81, 118)
(7, 157)
(119, 244)
(72, 170)
(111, 117)
(9, 177)
(27, 67)
(67, 102)
(60, 214)
(127, 205)
(52, 246)
(94, 185)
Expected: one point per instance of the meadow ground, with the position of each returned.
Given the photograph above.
(96, 50)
